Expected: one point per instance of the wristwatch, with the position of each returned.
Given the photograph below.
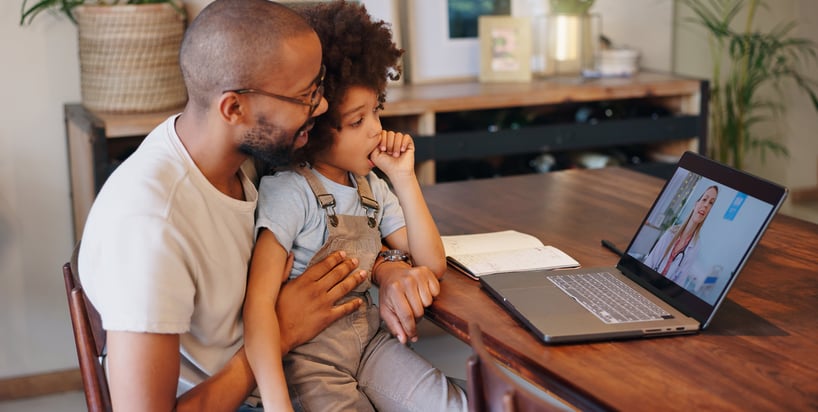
(396, 255)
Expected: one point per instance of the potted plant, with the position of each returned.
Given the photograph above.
(29, 11)
(747, 63)
(573, 7)
(128, 51)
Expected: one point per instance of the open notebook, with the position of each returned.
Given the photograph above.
(666, 282)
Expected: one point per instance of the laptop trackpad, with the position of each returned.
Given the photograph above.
(542, 300)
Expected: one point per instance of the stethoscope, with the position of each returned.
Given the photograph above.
(679, 263)
(672, 261)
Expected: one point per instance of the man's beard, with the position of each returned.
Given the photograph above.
(269, 144)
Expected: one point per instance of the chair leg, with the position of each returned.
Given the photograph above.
(97, 396)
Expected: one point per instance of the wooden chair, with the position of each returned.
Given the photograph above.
(490, 389)
(89, 338)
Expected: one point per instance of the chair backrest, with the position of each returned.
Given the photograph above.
(490, 389)
(89, 337)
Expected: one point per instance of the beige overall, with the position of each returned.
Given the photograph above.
(354, 364)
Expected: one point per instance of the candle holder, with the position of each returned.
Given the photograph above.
(569, 45)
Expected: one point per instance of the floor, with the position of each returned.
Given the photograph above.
(62, 402)
(444, 351)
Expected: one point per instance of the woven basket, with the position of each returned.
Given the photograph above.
(129, 57)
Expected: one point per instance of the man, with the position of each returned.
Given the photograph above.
(167, 243)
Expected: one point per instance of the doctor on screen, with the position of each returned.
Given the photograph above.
(675, 252)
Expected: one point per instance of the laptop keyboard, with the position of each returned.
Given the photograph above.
(610, 299)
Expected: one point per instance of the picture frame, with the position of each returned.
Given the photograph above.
(426, 40)
(431, 55)
(505, 49)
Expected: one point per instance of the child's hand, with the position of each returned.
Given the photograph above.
(395, 154)
(394, 144)
(404, 292)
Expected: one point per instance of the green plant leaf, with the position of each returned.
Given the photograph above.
(30, 9)
(747, 65)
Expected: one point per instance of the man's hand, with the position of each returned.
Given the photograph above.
(306, 304)
(404, 292)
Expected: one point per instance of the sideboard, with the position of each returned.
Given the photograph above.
(98, 142)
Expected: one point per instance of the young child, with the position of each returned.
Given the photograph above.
(333, 201)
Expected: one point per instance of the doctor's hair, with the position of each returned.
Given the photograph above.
(357, 51)
(678, 230)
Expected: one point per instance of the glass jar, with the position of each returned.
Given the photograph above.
(571, 42)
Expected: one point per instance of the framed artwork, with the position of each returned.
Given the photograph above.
(433, 52)
(431, 55)
(505, 49)
(463, 15)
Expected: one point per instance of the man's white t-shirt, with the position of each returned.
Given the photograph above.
(164, 251)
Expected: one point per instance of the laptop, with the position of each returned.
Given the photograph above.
(670, 280)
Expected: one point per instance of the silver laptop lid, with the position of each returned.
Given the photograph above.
(699, 233)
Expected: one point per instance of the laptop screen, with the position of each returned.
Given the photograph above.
(699, 233)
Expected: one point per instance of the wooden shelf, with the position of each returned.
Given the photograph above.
(472, 95)
(96, 140)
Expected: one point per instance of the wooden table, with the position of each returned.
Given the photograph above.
(759, 353)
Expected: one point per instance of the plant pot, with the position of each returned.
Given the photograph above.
(129, 57)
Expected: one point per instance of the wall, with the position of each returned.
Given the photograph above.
(802, 118)
(40, 73)
(797, 129)
(428, 35)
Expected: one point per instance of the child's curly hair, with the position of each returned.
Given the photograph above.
(357, 51)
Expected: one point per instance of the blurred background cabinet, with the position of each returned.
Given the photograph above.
(654, 113)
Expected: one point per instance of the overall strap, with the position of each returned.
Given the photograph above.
(326, 200)
(367, 199)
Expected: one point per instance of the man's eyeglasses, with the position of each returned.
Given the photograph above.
(315, 97)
